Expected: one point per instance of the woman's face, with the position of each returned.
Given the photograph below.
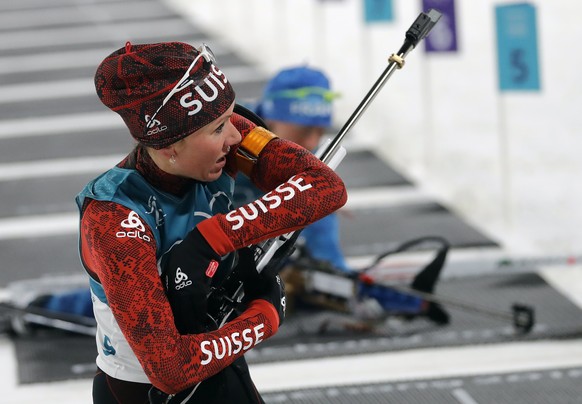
(201, 155)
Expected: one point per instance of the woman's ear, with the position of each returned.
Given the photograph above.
(167, 152)
(163, 157)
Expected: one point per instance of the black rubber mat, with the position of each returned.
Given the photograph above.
(363, 169)
(327, 334)
(371, 231)
(536, 387)
(53, 355)
(29, 258)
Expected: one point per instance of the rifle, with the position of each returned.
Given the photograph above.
(270, 255)
(336, 289)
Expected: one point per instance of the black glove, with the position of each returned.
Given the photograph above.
(258, 286)
(187, 269)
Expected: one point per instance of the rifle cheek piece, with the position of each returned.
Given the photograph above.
(250, 148)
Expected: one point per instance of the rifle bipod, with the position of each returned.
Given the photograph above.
(522, 316)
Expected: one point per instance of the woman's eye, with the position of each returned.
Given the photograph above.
(219, 129)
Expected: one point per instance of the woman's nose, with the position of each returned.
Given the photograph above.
(234, 136)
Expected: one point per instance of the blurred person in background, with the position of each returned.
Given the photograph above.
(296, 104)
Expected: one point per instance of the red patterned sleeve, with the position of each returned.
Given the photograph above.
(302, 190)
(127, 269)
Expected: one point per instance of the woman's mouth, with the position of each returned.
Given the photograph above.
(221, 161)
(223, 158)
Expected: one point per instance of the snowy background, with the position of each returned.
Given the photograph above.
(507, 164)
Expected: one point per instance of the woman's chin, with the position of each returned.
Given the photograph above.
(214, 174)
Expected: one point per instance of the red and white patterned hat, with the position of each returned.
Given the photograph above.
(163, 91)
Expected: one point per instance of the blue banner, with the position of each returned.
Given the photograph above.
(443, 37)
(517, 47)
(378, 11)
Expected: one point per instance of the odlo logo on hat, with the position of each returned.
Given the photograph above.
(155, 124)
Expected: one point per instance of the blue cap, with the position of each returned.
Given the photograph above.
(299, 95)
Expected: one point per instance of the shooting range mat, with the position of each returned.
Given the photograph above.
(546, 386)
(48, 355)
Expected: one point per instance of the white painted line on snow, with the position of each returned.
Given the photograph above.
(283, 376)
(57, 167)
(39, 226)
(95, 33)
(46, 90)
(565, 279)
(46, 225)
(4, 295)
(59, 124)
(34, 4)
(67, 392)
(67, 60)
(463, 397)
(8, 369)
(53, 61)
(81, 14)
(412, 365)
(85, 87)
